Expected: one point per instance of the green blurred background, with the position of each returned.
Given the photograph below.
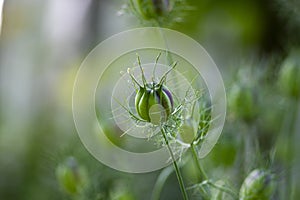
(43, 43)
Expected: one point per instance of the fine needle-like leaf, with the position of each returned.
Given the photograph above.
(143, 75)
(133, 78)
(163, 78)
(155, 65)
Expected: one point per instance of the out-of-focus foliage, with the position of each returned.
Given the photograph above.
(72, 177)
(1, 7)
(254, 43)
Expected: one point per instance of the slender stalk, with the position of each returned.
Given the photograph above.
(178, 173)
(204, 177)
(223, 189)
(218, 187)
(198, 164)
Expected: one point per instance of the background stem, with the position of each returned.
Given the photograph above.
(161, 180)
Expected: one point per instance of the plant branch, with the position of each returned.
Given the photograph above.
(178, 173)
(197, 162)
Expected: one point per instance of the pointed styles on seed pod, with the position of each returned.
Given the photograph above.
(164, 77)
(259, 184)
(71, 176)
(153, 101)
(154, 68)
(142, 70)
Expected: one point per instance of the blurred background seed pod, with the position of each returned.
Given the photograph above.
(289, 77)
(158, 12)
(259, 184)
(242, 102)
(71, 176)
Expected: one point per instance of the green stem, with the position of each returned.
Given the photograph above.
(198, 164)
(218, 187)
(204, 177)
(223, 189)
(178, 173)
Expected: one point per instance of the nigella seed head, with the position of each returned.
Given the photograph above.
(153, 101)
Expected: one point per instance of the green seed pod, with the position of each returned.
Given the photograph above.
(153, 103)
(188, 130)
(289, 79)
(258, 185)
(71, 177)
(138, 97)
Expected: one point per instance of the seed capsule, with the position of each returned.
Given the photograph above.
(154, 103)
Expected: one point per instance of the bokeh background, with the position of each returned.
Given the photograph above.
(43, 43)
